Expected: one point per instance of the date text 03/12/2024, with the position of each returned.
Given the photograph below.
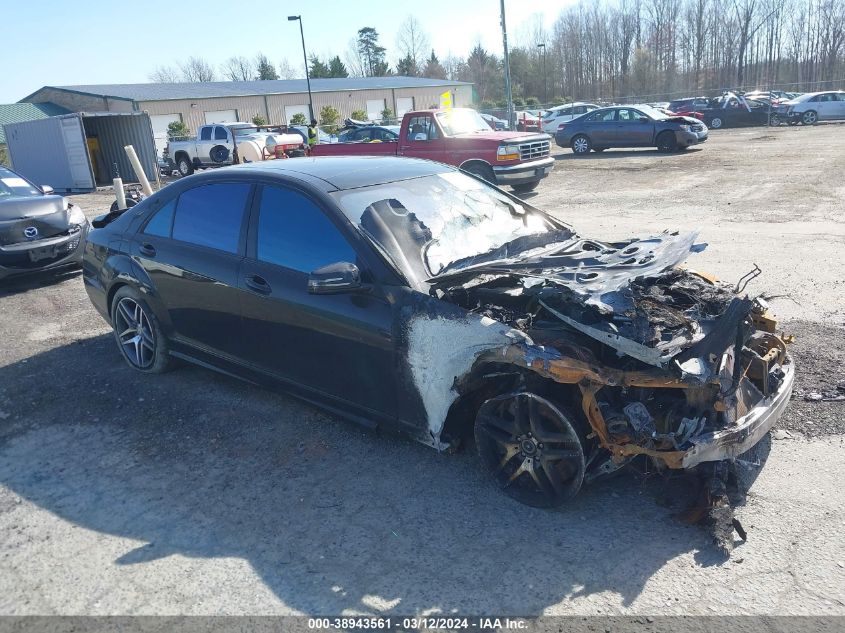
(416, 623)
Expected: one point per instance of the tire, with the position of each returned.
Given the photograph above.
(810, 117)
(184, 165)
(775, 120)
(297, 153)
(531, 449)
(526, 187)
(581, 145)
(219, 154)
(667, 142)
(716, 122)
(138, 333)
(485, 172)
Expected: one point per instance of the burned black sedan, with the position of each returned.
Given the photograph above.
(38, 230)
(404, 293)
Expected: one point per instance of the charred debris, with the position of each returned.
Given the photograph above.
(654, 345)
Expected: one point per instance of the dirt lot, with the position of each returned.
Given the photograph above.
(193, 493)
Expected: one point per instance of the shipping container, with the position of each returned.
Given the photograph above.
(77, 152)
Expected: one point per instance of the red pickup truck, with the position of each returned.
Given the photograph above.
(460, 137)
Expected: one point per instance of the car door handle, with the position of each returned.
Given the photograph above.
(147, 249)
(258, 284)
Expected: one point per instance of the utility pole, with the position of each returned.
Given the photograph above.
(508, 94)
(545, 94)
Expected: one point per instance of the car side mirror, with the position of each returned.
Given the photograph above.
(420, 136)
(334, 278)
(47, 190)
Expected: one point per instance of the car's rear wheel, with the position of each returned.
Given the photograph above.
(183, 164)
(526, 187)
(219, 154)
(581, 145)
(667, 142)
(138, 333)
(531, 449)
(716, 122)
(810, 117)
(775, 120)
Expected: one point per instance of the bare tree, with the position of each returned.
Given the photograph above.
(165, 75)
(286, 71)
(238, 69)
(196, 69)
(413, 43)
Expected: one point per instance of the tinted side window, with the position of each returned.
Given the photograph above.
(211, 215)
(161, 223)
(205, 134)
(219, 133)
(295, 233)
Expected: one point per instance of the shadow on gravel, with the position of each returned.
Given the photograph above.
(330, 517)
(33, 281)
(617, 153)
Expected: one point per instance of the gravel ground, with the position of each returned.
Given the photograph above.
(192, 493)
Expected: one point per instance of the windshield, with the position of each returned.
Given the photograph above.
(461, 121)
(443, 218)
(13, 185)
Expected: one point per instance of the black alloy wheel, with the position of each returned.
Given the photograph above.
(138, 334)
(531, 449)
(667, 142)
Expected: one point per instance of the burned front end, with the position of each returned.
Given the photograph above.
(667, 363)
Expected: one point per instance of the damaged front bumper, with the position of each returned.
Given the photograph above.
(732, 442)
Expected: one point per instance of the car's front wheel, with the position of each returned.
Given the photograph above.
(716, 122)
(810, 117)
(667, 142)
(581, 145)
(138, 333)
(531, 449)
(526, 187)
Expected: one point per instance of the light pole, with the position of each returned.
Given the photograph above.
(508, 94)
(292, 18)
(545, 95)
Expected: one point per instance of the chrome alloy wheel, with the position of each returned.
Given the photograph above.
(135, 333)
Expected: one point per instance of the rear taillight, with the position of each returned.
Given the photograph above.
(561, 126)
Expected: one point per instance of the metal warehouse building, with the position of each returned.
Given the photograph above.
(277, 101)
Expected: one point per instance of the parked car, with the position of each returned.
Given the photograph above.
(561, 114)
(404, 294)
(369, 133)
(687, 105)
(216, 145)
(38, 229)
(813, 107)
(528, 120)
(630, 126)
(495, 123)
(460, 137)
(734, 110)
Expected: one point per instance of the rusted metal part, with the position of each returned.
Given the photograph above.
(592, 411)
(764, 321)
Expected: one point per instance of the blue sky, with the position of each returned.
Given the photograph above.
(58, 42)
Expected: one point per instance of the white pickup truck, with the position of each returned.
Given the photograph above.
(220, 144)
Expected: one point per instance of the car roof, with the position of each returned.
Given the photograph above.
(346, 172)
(570, 105)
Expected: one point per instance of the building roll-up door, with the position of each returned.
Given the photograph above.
(292, 110)
(221, 116)
(374, 109)
(160, 123)
(52, 151)
(403, 105)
